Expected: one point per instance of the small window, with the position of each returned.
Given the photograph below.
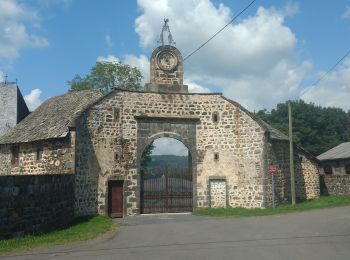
(328, 169)
(15, 155)
(215, 117)
(38, 152)
(347, 168)
(216, 156)
(116, 113)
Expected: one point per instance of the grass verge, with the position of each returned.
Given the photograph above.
(323, 202)
(81, 229)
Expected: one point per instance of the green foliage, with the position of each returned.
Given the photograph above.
(105, 75)
(323, 202)
(168, 160)
(315, 128)
(81, 229)
(147, 155)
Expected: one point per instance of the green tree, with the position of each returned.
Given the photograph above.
(105, 75)
(147, 155)
(315, 128)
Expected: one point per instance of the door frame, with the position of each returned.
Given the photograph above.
(109, 195)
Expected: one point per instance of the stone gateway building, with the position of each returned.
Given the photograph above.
(99, 140)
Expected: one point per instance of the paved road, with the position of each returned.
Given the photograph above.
(323, 234)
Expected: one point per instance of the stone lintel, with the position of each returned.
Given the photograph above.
(215, 177)
(166, 88)
(144, 117)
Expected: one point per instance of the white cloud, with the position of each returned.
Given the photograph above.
(333, 90)
(33, 99)
(109, 58)
(195, 87)
(346, 14)
(169, 146)
(14, 34)
(291, 9)
(108, 41)
(142, 63)
(253, 62)
(2, 76)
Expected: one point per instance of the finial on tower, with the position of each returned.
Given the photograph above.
(166, 29)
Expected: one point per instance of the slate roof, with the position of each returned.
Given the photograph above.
(341, 151)
(52, 118)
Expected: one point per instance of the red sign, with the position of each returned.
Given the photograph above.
(272, 169)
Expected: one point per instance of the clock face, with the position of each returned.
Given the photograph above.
(167, 60)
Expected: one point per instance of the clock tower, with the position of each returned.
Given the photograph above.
(166, 66)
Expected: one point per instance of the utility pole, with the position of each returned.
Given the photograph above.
(291, 155)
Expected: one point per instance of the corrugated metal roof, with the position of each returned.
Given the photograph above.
(341, 151)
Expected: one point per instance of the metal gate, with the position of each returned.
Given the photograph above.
(166, 189)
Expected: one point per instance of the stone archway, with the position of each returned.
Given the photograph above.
(182, 129)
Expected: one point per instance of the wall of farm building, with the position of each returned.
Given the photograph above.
(307, 184)
(37, 195)
(57, 156)
(107, 147)
(338, 182)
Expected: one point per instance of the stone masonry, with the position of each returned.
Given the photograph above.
(109, 146)
(306, 172)
(13, 108)
(338, 181)
(217, 191)
(57, 157)
(32, 204)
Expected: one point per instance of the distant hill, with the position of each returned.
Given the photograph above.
(171, 160)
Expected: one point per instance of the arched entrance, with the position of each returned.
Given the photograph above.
(166, 177)
(150, 129)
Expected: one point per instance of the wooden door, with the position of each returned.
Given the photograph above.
(115, 199)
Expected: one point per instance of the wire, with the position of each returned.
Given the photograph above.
(313, 85)
(234, 18)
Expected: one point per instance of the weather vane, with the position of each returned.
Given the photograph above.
(166, 29)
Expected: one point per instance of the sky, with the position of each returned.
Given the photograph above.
(270, 54)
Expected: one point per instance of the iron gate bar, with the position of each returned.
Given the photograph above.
(163, 192)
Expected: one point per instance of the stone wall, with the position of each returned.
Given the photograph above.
(13, 107)
(107, 147)
(171, 77)
(306, 173)
(57, 157)
(32, 204)
(218, 196)
(8, 104)
(337, 183)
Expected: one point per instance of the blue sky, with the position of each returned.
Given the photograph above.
(270, 54)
